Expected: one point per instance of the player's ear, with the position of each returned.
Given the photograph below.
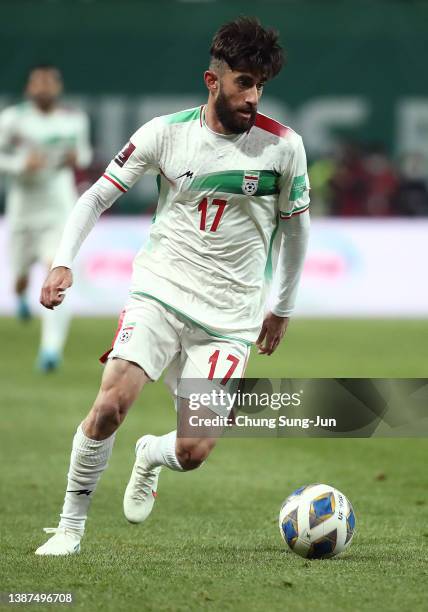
(211, 81)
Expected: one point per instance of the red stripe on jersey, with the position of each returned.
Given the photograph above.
(114, 183)
(285, 216)
(270, 125)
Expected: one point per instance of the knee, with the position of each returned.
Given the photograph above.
(122, 381)
(192, 453)
(108, 412)
(114, 404)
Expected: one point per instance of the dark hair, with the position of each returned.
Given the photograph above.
(45, 66)
(245, 45)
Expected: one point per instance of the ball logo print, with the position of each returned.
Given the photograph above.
(317, 521)
(126, 333)
(250, 183)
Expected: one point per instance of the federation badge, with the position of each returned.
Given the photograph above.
(250, 183)
(126, 333)
(123, 155)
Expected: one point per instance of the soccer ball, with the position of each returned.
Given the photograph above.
(317, 521)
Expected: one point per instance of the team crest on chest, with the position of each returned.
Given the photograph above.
(250, 183)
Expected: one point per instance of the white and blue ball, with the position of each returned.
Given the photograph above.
(317, 521)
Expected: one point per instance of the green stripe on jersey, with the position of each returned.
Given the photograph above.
(23, 106)
(181, 117)
(58, 138)
(232, 181)
(269, 266)
(116, 178)
(298, 188)
(295, 210)
(210, 332)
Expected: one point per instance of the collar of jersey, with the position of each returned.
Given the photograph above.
(37, 110)
(224, 137)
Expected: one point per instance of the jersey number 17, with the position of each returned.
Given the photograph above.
(203, 209)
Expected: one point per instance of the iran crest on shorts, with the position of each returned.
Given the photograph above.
(250, 183)
(126, 333)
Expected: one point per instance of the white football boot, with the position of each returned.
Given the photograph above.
(63, 542)
(141, 492)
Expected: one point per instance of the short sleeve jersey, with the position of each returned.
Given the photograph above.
(220, 201)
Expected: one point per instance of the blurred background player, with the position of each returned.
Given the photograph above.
(41, 143)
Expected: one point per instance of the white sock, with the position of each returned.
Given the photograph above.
(160, 450)
(55, 324)
(89, 459)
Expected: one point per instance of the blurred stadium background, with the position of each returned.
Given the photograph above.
(355, 87)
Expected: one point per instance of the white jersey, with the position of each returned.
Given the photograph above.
(220, 201)
(44, 197)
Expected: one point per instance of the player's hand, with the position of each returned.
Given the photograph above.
(53, 291)
(271, 334)
(35, 161)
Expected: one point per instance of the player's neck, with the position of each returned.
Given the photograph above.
(45, 108)
(213, 122)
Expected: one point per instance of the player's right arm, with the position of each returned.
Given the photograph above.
(13, 160)
(138, 156)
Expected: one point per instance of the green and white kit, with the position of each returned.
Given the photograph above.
(39, 202)
(230, 209)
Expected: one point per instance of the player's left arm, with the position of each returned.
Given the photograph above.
(83, 143)
(80, 156)
(294, 224)
(12, 162)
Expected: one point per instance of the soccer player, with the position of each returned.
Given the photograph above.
(40, 144)
(230, 181)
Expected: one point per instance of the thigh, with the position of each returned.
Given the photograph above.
(200, 428)
(147, 335)
(47, 241)
(215, 359)
(121, 384)
(206, 365)
(22, 251)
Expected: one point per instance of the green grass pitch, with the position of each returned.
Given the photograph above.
(212, 542)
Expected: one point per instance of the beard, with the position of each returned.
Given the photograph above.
(230, 118)
(44, 101)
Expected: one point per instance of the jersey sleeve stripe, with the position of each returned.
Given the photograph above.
(115, 183)
(284, 216)
(117, 179)
(270, 125)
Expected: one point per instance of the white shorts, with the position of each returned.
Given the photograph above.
(31, 245)
(158, 339)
